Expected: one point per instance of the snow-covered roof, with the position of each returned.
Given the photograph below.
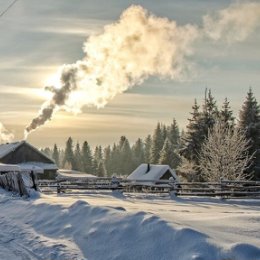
(7, 148)
(38, 165)
(154, 174)
(9, 168)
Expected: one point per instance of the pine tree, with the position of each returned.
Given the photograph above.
(138, 153)
(168, 155)
(249, 121)
(78, 158)
(174, 134)
(126, 159)
(226, 114)
(87, 159)
(107, 160)
(56, 155)
(101, 171)
(194, 136)
(98, 158)
(69, 155)
(157, 144)
(209, 113)
(147, 148)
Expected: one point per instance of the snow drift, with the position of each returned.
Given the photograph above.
(82, 231)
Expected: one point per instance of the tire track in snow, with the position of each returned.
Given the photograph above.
(20, 242)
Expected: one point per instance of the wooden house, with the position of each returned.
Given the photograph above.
(28, 157)
(151, 173)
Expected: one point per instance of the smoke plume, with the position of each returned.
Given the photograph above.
(135, 47)
(5, 135)
(234, 23)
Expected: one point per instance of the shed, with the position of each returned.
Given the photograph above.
(152, 173)
(28, 157)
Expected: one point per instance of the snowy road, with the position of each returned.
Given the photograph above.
(113, 226)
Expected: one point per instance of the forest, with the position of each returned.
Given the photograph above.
(214, 145)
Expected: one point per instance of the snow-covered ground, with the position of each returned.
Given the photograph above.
(114, 226)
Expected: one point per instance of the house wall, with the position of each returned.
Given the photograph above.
(166, 176)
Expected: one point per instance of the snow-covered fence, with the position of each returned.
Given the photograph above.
(228, 189)
(225, 189)
(13, 181)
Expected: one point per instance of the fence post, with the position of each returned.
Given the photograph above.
(33, 181)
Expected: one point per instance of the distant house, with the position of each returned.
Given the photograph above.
(151, 173)
(28, 157)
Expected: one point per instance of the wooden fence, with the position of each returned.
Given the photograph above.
(13, 181)
(224, 189)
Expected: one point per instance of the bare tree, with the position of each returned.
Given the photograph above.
(225, 154)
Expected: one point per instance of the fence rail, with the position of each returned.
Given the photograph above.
(225, 189)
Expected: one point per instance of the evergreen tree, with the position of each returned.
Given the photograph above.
(193, 137)
(157, 144)
(78, 158)
(101, 171)
(115, 159)
(126, 160)
(147, 148)
(168, 155)
(198, 127)
(249, 121)
(98, 158)
(87, 159)
(174, 134)
(69, 155)
(209, 113)
(108, 160)
(56, 155)
(226, 114)
(138, 152)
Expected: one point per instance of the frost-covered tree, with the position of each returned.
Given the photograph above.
(224, 154)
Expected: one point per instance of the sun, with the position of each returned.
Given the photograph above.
(53, 80)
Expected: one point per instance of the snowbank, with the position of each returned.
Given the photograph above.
(82, 231)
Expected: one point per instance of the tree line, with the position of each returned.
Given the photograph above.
(185, 151)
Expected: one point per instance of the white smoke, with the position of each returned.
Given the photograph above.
(137, 46)
(5, 135)
(234, 23)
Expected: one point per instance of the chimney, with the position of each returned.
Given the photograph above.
(148, 168)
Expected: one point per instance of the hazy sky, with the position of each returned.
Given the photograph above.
(37, 37)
